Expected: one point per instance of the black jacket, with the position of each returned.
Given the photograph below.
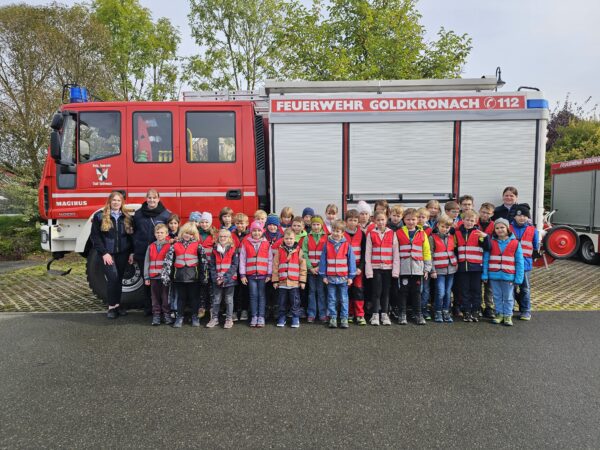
(144, 221)
(113, 241)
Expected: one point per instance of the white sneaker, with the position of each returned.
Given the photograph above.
(374, 320)
(385, 319)
(212, 322)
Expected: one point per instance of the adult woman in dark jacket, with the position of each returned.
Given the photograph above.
(112, 238)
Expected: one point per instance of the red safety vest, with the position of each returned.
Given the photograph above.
(355, 241)
(157, 259)
(503, 261)
(223, 261)
(469, 250)
(443, 255)
(315, 249)
(186, 256)
(526, 240)
(489, 229)
(207, 243)
(428, 231)
(289, 268)
(337, 262)
(257, 263)
(381, 249)
(410, 249)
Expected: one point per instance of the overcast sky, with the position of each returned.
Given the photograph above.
(551, 44)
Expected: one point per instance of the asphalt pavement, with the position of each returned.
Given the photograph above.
(81, 381)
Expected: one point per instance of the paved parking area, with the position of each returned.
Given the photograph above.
(566, 285)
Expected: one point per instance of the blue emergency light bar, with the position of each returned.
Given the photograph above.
(78, 94)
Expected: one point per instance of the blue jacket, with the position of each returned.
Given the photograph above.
(516, 278)
(351, 262)
(518, 232)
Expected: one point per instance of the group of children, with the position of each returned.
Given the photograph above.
(396, 263)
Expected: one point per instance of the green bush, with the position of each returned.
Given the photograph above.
(17, 237)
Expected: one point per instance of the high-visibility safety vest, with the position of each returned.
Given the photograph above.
(469, 250)
(428, 231)
(186, 256)
(223, 261)
(337, 262)
(315, 249)
(443, 255)
(411, 249)
(503, 261)
(157, 259)
(381, 248)
(489, 229)
(207, 243)
(289, 268)
(355, 241)
(526, 240)
(257, 262)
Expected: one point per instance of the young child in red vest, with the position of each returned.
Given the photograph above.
(414, 258)
(226, 218)
(206, 238)
(289, 276)
(503, 268)
(381, 265)
(285, 217)
(331, 212)
(445, 266)
(486, 224)
(240, 296)
(312, 247)
(433, 206)
(256, 266)
(356, 238)
(426, 287)
(223, 266)
(186, 260)
(173, 224)
(364, 216)
(307, 215)
(153, 264)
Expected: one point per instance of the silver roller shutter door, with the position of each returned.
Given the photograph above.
(572, 197)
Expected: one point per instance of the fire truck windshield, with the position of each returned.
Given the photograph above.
(99, 135)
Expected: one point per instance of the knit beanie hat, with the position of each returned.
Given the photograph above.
(206, 216)
(256, 225)
(272, 219)
(363, 207)
(317, 219)
(503, 221)
(308, 212)
(523, 210)
(195, 216)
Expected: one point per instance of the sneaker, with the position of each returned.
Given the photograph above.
(111, 314)
(244, 315)
(467, 317)
(525, 316)
(475, 317)
(281, 321)
(323, 319)
(343, 323)
(196, 321)
(155, 320)
(385, 319)
(254, 321)
(374, 320)
(421, 320)
(260, 323)
(201, 313)
(438, 317)
(234, 317)
(212, 322)
(228, 324)
(402, 319)
(167, 319)
(122, 311)
(488, 313)
(302, 313)
(361, 321)
(447, 317)
(350, 319)
(178, 322)
(295, 322)
(333, 323)
(311, 319)
(426, 315)
(394, 313)
(508, 321)
(498, 319)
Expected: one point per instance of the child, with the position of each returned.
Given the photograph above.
(382, 206)
(486, 210)
(312, 247)
(423, 223)
(466, 203)
(173, 224)
(503, 267)
(241, 228)
(331, 212)
(414, 258)
(274, 236)
(273, 225)
(240, 297)
(188, 259)
(433, 206)
(355, 237)
(256, 265)
(289, 272)
(471, 243)
(510, 198)
(298, 227)
(364, 216)
(226, 219)
(307, 215)
(395, 221)
(337, 266)
(260, 216)
(445, 266)
(527, 235)
(381, 265)
(153, 264)
(195, 218)
(285, 217)
(223, 266)
(206, 238)
(452, 210)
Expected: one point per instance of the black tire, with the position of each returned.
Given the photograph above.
(587, 253)
(133, 282)
(561, 242)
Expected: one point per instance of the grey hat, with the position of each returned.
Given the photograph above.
(503, 221)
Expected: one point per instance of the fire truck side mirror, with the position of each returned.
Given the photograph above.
(55, 145)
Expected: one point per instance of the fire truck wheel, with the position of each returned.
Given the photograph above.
(587, 253)
(561, 242)
(133, 283)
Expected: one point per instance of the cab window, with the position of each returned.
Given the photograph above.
(99, 135)
(152, 137)
(210, 137)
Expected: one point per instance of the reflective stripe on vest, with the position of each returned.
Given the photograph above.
(257, 263)
(157, 259)
(289, 268)
(223, 261)
(410, 249)
(355, 241)
(186, 256)
(381, 249)
(315, 249)
(469, 250)
(443, 254)
(503, 261)
(337, 262)
(526, 240)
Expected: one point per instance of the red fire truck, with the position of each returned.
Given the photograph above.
(292, 144)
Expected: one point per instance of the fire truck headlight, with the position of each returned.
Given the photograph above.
(44, 237)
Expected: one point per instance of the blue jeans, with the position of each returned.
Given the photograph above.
(523, 295)
(258, 298)
(294, 298)
(317, 302)
(444, 291)
(337, 292)
(425, 294)
(503, 297)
